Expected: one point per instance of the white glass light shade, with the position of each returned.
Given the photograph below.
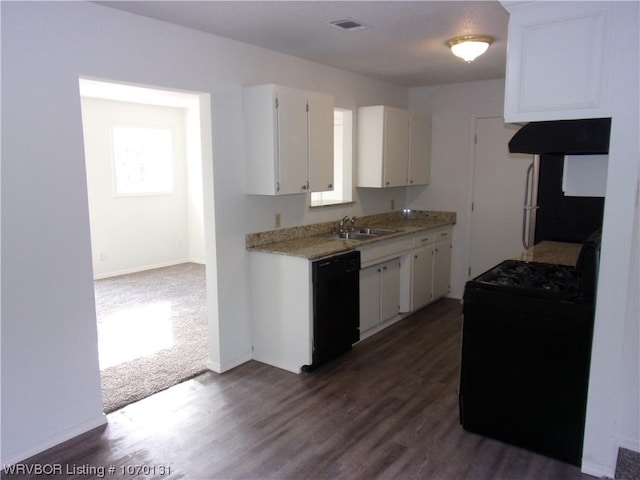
(470, 47)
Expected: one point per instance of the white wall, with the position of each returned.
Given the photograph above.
(454, 109)
(628, 415)
(196, 251)
(137, 232)
(615, 358)
(50, 373)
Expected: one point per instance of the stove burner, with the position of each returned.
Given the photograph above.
(533, 277)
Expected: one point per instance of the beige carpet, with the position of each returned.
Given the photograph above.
(152, 331)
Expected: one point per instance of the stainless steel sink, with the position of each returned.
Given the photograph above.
(355, 235)
(363, 233)
(376, 231)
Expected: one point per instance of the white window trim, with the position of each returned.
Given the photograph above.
(343, 164)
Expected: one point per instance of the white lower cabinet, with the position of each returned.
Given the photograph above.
(421, 277)
(442, 265)
(403, 275)
(281, 310)
(426, 270)
(379, 293)
(389, 289)
(369, 295)
(397, 276)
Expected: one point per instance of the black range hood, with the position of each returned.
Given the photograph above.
(567, 137)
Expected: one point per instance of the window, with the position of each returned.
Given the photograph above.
(342, 163)
(142, 160)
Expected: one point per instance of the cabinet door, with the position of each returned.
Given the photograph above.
(396, 147)
(419, 150)
(441, 268)
(389, 289)
(370, 146)
(260, 127)
(292, 167)
(421, 276)
(558, 60)
(369, 297)
(321, 128)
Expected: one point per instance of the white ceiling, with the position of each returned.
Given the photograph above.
(404, 44)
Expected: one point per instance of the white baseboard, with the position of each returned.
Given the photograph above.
(629, 443)
(597, 471)
(142, 268)
(605, 471)
(214, 366)
(54, 440)
(226, 366)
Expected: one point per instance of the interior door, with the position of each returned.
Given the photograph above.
(498, 195)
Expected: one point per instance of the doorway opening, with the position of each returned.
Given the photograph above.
(145, 183)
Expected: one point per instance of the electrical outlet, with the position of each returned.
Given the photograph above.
(276, 220)
(102, 256)
(393, 204)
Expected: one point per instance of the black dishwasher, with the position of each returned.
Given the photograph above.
(336, 306)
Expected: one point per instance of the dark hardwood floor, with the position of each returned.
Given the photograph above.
(385, 410)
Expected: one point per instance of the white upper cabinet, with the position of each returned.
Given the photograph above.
(291, 145)
(289, 140)
(383, 146)
(320, 142)
(442, 250)
(557, 60)
(419, 150)
(394, 148)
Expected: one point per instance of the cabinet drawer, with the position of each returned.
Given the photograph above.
(427, 238)
(443, 235)
(431, 237)
(384, 250)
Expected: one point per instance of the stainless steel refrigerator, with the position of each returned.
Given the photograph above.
(549, 214)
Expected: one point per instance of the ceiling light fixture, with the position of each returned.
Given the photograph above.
(469, 47)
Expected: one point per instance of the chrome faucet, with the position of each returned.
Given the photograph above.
(346, 220)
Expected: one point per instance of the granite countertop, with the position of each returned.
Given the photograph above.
(313, 242)
(558, 253)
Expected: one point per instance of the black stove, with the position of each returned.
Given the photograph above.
(526, 348)
(532, 278)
